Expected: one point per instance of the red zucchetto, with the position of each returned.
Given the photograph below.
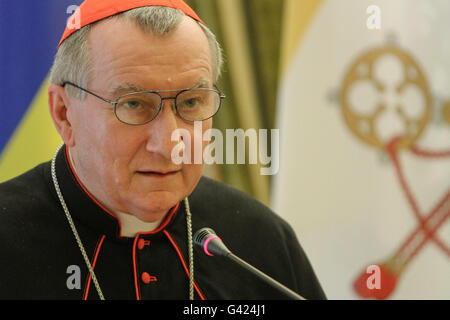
(91, 11)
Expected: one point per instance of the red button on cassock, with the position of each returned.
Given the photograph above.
(146, 278)
(142, 243)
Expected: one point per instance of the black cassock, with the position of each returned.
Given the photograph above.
(40, 258)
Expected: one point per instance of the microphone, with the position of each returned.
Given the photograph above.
(212, 245)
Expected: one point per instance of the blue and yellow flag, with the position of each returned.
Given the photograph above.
(29, 35)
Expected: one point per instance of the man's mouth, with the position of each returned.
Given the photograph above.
(158, 174)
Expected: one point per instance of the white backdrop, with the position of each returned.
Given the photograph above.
(341, 194)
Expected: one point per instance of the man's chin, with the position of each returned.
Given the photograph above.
(152, 210)
(152, 217)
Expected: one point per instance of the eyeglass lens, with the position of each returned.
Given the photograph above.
(191, 105)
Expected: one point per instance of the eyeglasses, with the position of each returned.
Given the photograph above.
(138, 108)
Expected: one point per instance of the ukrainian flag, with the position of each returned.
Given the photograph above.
(29, 35)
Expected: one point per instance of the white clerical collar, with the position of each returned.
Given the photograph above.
(130, 225)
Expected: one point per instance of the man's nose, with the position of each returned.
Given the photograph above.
(160, 130)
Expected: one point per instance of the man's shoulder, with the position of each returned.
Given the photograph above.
(24, 192)
(26, 182)
(228, 204)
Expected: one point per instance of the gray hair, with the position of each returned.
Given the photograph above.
(72, 61)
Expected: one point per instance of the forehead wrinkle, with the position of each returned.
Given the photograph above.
(148, 66)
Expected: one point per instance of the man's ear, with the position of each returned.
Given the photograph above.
(58, 102)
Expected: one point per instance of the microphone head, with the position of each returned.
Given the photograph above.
(201, 235)
(211, 244)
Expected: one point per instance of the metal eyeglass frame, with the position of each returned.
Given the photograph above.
(114, 103)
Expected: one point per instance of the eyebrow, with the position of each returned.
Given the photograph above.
(125, 88)
(130, 87)
(202, 83)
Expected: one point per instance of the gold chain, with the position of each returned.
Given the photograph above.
(190, 249)
(83, 251)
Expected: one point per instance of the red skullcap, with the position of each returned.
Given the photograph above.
(91, 11)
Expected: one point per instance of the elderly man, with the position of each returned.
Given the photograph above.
(112, 216)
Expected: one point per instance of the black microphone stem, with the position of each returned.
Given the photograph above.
(211, 244)
(288, 292)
